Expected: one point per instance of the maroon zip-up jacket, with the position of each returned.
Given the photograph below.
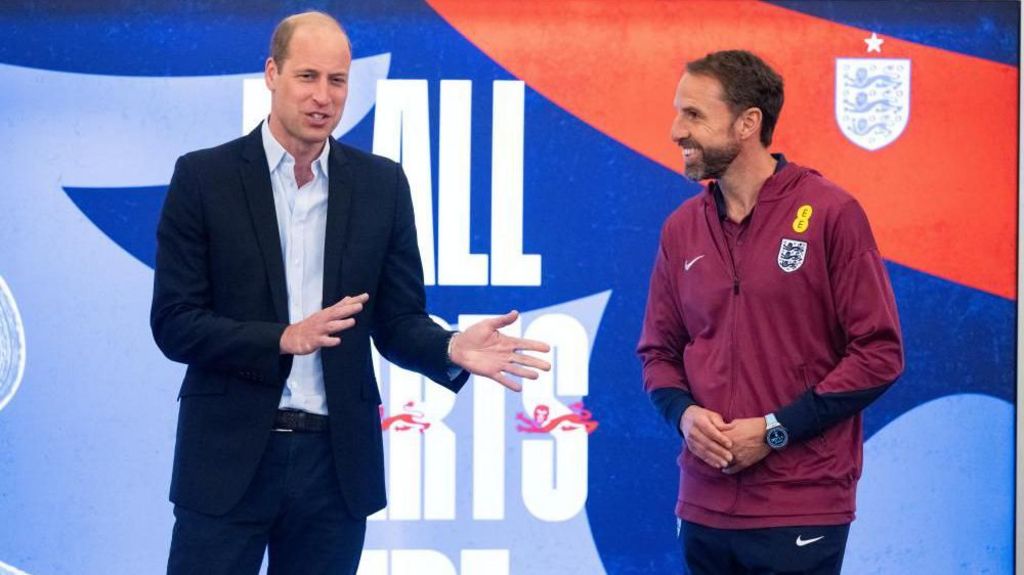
(796, 319)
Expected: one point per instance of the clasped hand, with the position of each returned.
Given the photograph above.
(731, 447)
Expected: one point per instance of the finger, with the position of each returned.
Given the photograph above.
(734, 468)
(703, 455)
(530, 345)
(710, 446)
(507, 381)
(719, 422)
(328, 341)
(350, 299)
(720, 453)
(520, 371)
(337, 325)
(343, 311)
(503, 320)
(529, 361)
(717, 462)
(708, 457)
(712, 432)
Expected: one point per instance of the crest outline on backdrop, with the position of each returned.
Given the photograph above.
(872, 100)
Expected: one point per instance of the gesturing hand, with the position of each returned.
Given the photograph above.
(705, 434)
(317, 330)
(483, 350)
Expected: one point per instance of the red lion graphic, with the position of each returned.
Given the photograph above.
(411, 419)
(580, 417)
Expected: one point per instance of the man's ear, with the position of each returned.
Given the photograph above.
(748, 123)
(270, 73)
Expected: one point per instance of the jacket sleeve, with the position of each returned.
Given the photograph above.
(866, 309)
(662, 341)
(184, 325)
(402, 330)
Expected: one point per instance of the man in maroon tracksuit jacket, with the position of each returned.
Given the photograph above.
(770, 325)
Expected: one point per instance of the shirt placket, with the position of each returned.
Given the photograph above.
(295, 248)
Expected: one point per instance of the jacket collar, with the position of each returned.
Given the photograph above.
(776, 186)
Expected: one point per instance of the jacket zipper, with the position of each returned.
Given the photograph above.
(732, 364)
(718, 231)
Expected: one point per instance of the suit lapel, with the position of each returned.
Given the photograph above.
(339, 201)
(260, 196)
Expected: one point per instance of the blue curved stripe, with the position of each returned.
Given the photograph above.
(128, 216)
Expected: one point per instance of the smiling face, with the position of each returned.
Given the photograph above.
(309, 87)
(704, 127)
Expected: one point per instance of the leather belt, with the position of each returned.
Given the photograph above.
(299, 421)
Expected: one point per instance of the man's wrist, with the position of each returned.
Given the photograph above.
(671, 403)
(449, 360)
(776, 436)
(281, 343)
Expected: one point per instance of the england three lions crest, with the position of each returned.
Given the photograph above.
(872, 100)
(792, 254)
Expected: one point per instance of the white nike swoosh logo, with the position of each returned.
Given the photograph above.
(689, 263)
(800, 542)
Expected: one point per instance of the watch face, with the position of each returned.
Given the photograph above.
(777, 438)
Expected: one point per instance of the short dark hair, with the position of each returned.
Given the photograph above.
(282, 36)
(748, 82)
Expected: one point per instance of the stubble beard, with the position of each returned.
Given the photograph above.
(713, 162)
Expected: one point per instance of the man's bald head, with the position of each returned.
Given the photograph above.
(285, 29)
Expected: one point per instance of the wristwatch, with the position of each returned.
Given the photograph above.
(775, 435)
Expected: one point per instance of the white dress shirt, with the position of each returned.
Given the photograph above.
(302, 225)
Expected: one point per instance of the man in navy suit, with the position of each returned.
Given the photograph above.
(279, 256)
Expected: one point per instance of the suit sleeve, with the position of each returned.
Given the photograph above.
(184, 325)
(866, 309)
(402, 330)
(662, 341)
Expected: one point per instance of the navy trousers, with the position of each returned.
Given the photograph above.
(293, 510)
(816, 550)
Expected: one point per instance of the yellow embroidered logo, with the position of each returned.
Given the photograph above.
(803, 218)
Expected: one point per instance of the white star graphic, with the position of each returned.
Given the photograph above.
(874, 43)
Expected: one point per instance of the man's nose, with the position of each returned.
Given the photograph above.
(320, 93)
(678, 130)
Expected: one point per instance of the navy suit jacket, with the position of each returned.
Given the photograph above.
(220, 306)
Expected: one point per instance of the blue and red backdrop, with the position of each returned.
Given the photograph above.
(536, 138)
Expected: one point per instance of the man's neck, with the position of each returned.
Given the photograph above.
(304, 153)
(743, 181)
